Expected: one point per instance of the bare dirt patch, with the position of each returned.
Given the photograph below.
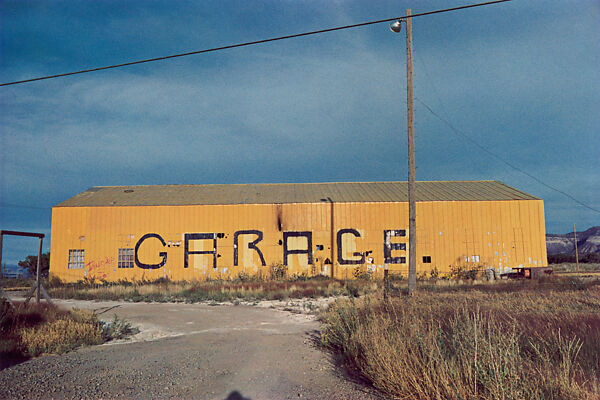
(192, 351)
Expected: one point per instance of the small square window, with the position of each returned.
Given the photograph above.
(427, 259)
(76, 259)
(125, 258)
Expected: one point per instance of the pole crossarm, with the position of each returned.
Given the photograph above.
(18, 233)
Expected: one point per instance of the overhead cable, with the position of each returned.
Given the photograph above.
(231, 46)
(467, 137)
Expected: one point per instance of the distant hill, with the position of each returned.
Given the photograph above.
(14, 271)
(587, 242)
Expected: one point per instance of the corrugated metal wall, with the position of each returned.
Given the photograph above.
(496, 234)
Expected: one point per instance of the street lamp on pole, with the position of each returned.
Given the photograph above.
(396, 26)
(412, 209)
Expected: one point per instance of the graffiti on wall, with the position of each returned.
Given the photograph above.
(97, 269)
(357, 257)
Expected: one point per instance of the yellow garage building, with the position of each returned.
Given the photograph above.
(193, 232)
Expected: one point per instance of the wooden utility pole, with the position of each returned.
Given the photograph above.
(332, 239)
(1, 236)
(576, 253)
(37, 275)
(412, 209)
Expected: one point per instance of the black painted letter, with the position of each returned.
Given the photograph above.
(340, 255)
(251, 245)
(163, 254)
(199, 236)
(308, 251)
(388, 246)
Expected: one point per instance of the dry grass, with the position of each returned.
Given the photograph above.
(61, 335)
(29, 330)
(573, 267)
(16, 283)
(542, 343)
(217, 290)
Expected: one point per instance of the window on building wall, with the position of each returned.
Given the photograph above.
(427, 259)
(76, 259)
(125, 258)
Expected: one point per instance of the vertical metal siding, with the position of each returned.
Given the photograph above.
(502, 233)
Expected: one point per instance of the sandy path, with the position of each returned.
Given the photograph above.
(190, 351)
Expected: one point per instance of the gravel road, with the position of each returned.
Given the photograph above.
(190, 351)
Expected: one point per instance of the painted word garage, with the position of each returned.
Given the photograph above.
(196, 232)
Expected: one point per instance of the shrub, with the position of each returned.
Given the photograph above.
(299, 277)
(278, 271)
(34, 329)
(244, 277)
(422, 276)
(54, 281)
(361, 272)
(62, 335)
(460, 272)
(117, 329)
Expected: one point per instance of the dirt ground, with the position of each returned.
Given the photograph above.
(195, 351)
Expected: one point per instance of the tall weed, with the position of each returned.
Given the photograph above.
(29, 330)
(60, 336)
(472, 345)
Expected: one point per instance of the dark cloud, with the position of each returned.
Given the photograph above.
(520, 79)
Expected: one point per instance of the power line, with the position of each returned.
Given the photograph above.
(231, 46)
(431, 82)
(465, 136)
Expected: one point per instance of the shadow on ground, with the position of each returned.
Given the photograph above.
(235, 395)
(342, 370)
(9, 360)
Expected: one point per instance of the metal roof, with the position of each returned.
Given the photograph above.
(274, 193)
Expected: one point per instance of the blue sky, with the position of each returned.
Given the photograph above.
(520, 78)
